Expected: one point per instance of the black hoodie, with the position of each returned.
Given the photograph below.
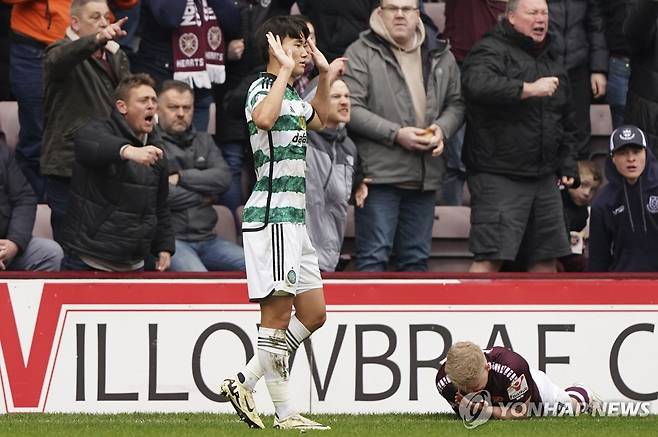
(624, 222)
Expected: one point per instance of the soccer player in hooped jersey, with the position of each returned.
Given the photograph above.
(500, 383)
(282, 266)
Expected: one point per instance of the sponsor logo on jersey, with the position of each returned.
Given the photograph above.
(518, 388)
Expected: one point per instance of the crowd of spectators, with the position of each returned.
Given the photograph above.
(114, 100)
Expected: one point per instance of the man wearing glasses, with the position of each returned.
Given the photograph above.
(406, 101)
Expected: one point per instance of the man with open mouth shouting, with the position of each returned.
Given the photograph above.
(118, 211)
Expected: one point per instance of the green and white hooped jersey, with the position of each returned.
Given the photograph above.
(279, 159)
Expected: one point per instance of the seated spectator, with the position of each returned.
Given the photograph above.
(18, 204)
(623, 229)
(181, 40)
(118, 209)
(406, 100)
(81, 72)
(576, 202)
(330, 161)
(198, 173)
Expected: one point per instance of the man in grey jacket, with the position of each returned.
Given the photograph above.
(330, 163)
(198, 175)
(406, 100)
(81, 72)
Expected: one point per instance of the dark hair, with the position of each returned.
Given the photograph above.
(132, 81)
(177, 85)
(291, 26)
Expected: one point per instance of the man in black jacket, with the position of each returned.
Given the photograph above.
(519, 141)
(198, 173)
(118, 211)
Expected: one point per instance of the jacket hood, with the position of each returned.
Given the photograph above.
(435, 47)
(377, 26)
(182, 140)
(330, 134)
(338, 137)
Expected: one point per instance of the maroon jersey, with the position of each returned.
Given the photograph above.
(509, 379)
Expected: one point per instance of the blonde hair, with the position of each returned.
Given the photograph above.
(464, 363)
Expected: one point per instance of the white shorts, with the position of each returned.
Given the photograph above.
(550, 393)
(280, 260)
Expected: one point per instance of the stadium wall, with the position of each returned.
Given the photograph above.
(124, 345)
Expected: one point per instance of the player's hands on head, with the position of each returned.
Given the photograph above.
(337, 68)
(285, 58)
(112, 32)
(163, 262)
(147, 155)
(318, 58)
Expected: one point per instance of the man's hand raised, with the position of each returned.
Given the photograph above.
(111, 32)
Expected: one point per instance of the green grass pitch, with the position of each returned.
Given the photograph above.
(405, 425)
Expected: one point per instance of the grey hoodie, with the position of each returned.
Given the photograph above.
(330, 162)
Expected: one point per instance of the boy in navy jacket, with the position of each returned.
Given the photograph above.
(623, 228)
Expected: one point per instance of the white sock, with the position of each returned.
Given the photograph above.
(253, 371)
(296, 333)
(273, 357)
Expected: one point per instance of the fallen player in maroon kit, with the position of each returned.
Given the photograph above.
(499, 383)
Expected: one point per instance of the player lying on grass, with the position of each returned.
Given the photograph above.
(499, 383)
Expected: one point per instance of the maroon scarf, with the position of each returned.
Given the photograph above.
(198, 47)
